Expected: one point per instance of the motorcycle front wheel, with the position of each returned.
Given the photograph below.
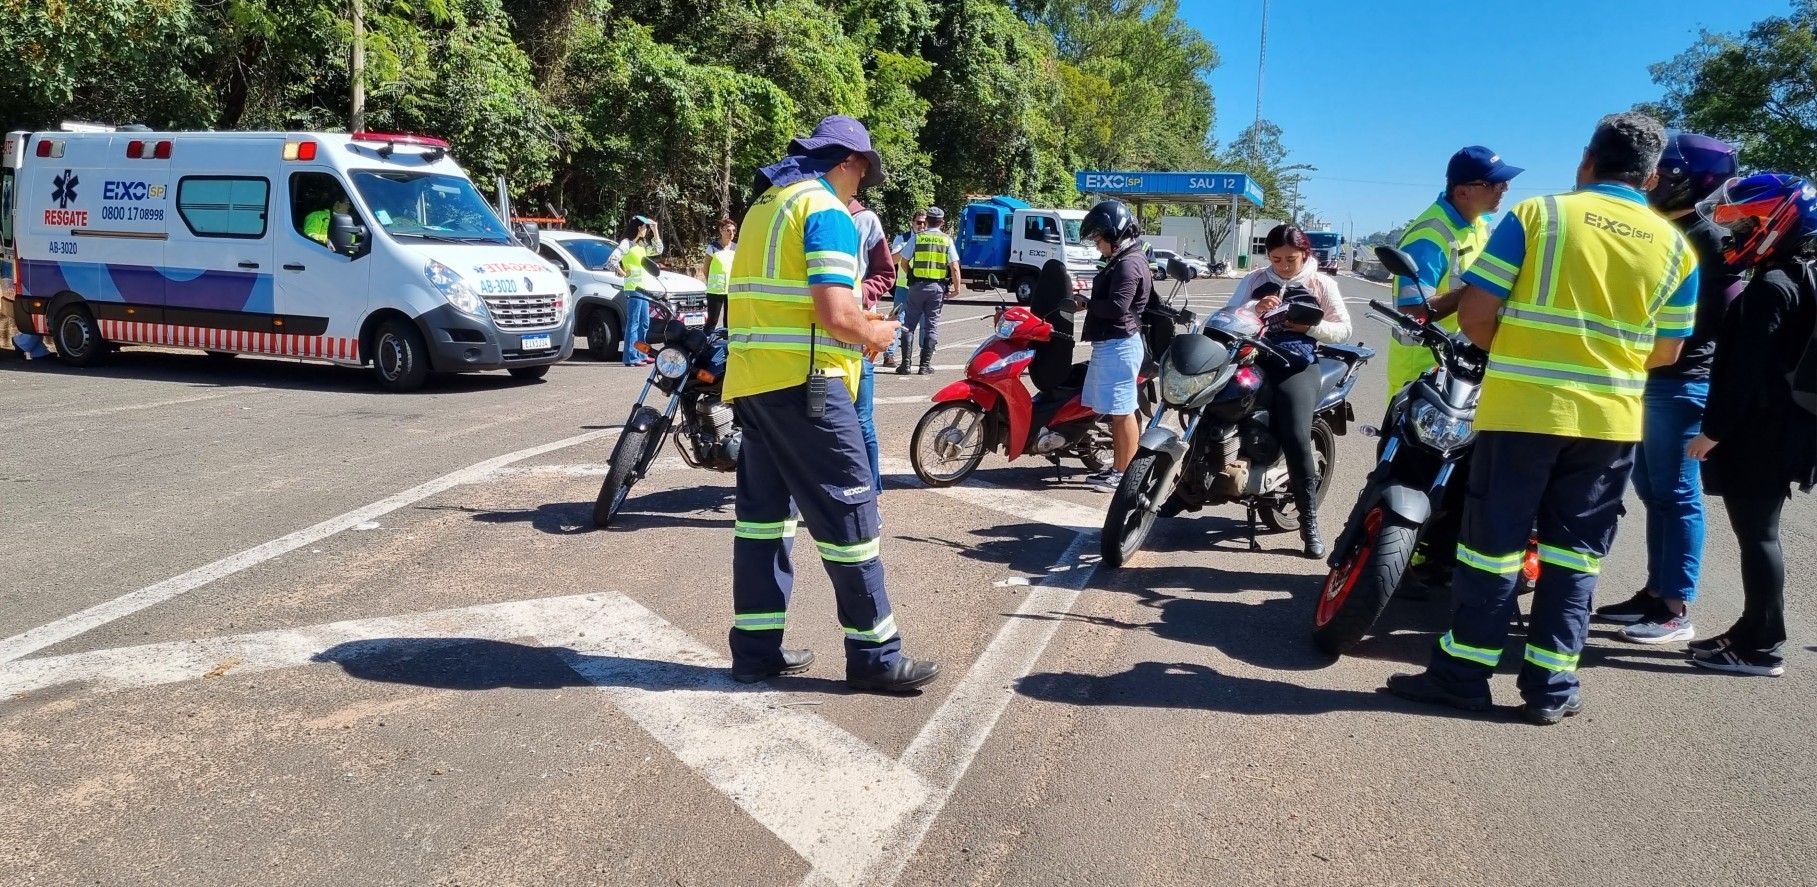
(1358, 589)
(1128, 521)
(631, 451)
(948, 443)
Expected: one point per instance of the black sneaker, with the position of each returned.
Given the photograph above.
(1709, 645)
(1737, 661)
(1546, 717)
(1630, 611)
(1421, 688)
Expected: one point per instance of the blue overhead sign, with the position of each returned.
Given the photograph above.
(1174, 187)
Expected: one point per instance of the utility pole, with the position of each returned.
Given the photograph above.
(1255, 136)
(356, 121)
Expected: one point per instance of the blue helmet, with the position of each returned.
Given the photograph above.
(1763, 215)
(1692, 168)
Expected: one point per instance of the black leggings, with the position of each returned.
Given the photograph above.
(1754, 515)
(1290, 418)
(716, 311)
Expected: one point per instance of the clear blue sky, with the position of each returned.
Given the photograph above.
(1379, 94)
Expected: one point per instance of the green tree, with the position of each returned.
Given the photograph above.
(1757, 90)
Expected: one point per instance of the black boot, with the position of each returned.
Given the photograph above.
(1306, 498)
(907, 365)
(927, 360)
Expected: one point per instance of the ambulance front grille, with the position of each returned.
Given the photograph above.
(525, 312)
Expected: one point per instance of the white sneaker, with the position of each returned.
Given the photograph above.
(1106, 482)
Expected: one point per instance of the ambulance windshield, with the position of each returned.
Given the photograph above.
(429, 206)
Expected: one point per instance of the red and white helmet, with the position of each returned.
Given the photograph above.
(1762, 213)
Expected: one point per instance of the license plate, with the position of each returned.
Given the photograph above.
(694, 318)
(534, 343)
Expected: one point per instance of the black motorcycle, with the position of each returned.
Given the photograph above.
(690, 370)
(1427, 437)
(1220, 450)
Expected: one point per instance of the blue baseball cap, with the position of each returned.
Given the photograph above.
(844, 132)
(1478, 164)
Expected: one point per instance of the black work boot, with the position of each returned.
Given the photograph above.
(904, 676)
(927, 360)
(791, 662)
(1306, 498)
(908, 357)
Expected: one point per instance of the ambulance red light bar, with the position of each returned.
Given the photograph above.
(400, 139)
(299, 150)
(140, 150)
(49, 148)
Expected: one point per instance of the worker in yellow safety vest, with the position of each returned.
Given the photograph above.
(1575, 298)
(933, 268)
(1443, 242)
(798, 336)
(719, 272)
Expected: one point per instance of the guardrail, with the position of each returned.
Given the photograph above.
(1371, 269)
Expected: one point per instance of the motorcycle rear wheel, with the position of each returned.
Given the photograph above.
(1127, 523)
(1285, 518)
(1359, 588)
(631, 451)
(948, 443)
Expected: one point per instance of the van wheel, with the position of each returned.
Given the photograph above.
(399, 356)
(79, 341)
(602, 335)
(529, 374)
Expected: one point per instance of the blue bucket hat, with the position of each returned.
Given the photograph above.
(840, 131)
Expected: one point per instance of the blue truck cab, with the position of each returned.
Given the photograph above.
(1003, 243)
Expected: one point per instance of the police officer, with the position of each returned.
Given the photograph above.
(933, 263)
(1576, 296)
(917, 224)
(1443, 242)
(798, 338)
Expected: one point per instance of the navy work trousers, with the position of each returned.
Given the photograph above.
(793, 469)
(1570, 489)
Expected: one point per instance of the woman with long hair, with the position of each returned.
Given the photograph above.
(641, 240)
(1296, 391)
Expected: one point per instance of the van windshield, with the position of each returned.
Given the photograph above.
(431, 206)
(1072, 229)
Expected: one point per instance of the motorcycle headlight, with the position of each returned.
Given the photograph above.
(454, 288)
(1439, 430)
(672, 362)
(1178, 388)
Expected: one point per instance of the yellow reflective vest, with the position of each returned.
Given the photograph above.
(933, 254)
(1460, 246)
(1600, 276)
(719, 271)
(794, 236)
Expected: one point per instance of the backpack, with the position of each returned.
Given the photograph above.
(1803, 377)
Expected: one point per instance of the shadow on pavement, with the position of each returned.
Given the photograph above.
(284, 374)
(1022, 548)
(479, 664)
(1194, 686)
(662, 508)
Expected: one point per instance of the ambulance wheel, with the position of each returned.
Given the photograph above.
(602, 335)
(529, 374)
(79, 341)
(399, 356)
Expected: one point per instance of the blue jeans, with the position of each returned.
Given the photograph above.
(637, 324)
(867, 422)
(1669, 484)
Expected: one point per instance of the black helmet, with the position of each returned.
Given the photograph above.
(1112, 220)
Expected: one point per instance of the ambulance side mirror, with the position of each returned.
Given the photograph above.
(347, 237)
(529, 234)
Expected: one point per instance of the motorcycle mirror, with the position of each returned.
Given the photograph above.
(1179, 270)
(1396, 262)
(654, 272)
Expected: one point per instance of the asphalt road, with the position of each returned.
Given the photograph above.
(263, 623)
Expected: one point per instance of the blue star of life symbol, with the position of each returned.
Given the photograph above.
(63, 189)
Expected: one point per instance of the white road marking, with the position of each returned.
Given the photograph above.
(26, 643)
(794, 772)
(906, 398)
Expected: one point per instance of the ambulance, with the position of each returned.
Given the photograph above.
(363, 249)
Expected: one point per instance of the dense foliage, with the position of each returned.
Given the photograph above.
(602, 108)
(1757, 90)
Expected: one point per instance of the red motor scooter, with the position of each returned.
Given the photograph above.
(992, 409)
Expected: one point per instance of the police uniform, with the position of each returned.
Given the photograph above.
(795, 468)
(1590, 278)
(929, 262)
(1442, 244)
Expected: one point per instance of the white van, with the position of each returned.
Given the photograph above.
(364, 249)
(598, 294)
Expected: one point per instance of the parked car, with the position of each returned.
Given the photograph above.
(1158, 262)
(599, 300)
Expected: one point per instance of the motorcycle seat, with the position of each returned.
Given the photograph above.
(1345, 353)
(1066, 386)
(1331, 375)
